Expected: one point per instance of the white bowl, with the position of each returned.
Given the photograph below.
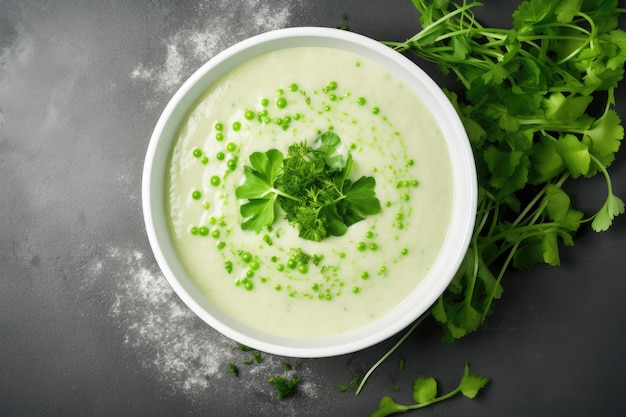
(463, 205)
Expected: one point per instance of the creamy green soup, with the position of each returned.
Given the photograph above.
(273, 279)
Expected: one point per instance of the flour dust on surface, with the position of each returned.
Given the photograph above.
(183, 351)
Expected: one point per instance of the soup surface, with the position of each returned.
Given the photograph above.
(273, 279)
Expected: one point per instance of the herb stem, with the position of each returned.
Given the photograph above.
(393, 349)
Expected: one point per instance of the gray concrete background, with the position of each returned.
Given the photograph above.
(89, 327)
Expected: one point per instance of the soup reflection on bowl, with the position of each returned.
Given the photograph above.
(309, 192)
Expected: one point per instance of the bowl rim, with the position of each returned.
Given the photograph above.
(463, 211)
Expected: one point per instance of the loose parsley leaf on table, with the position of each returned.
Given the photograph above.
(425, 393)
(312, 187)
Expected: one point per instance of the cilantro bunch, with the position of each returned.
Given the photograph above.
(537, 106)
(312, 187)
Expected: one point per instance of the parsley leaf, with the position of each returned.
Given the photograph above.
(425, 393)
(312, 187)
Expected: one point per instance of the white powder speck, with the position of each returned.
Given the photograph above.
(217, 25)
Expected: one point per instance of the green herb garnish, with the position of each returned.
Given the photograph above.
(353, 383)
(425, 394)
(285, 386)
(310, 185)
(233, 369)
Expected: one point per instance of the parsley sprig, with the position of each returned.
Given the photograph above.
(312, 187)
(425, 393)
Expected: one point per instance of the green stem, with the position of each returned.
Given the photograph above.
(426, 31)
(393, 349)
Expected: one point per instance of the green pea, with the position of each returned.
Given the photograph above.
(203, 230)
(196, 195)
(356, 290)
(375, 110)
(404, 251)
(365, 275)
(265, 102)
(361, 246)
(360, 101)
(220, 156)
(219, 136)
(303, 269)
(281, 102)
(293, 87)
(219, 126)
(249, 115)
(231, 147)
(193, 230)
(215, 180)
(231, 164)
(197, 153)
(254, 265)
(246, 257)
(369, 234)
(236, 126)
(291, 263)
(204, 160)
(373, 246)
(215, 234)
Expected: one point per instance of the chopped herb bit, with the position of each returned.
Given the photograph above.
(232, 368)
(353, 383)
(286, 386)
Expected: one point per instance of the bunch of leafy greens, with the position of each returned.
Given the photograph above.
(537, 104)
(537, 107)
(312, 187)
(425, 393)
